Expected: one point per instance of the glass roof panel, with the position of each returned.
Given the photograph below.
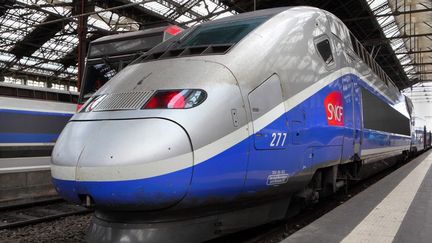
(390, 29)
(18, 22)
(223, 15)
(6, 57)
(54, 8)
(181, 2)
(72, 70)
(26, 61)
(204, 7)
(98, 23)
(58, 47)
(111, 21)
(420, 92)
(183, 19)
(158, 8)
(15, 24)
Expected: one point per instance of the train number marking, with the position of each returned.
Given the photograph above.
(333, 104)
(276, 139)
(277, 177)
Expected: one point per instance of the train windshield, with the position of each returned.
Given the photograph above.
(98, 73)
(124, 46)
(221, 33)
(109, 55)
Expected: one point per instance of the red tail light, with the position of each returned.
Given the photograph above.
(173, 30)
(176, 99)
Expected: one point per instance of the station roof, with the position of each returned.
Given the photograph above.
(38, 38)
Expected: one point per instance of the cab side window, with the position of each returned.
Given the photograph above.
(324, 49)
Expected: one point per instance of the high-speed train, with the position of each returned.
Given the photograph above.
(31, 123)
(218, 128)
(420, 140)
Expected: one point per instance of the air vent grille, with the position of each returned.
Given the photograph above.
(124, 101)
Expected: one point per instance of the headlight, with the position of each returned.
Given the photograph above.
(176, 99)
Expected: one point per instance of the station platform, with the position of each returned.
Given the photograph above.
(25, 179)
(24, 164)
(398, 208)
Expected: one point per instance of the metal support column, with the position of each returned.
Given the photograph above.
(80, 7)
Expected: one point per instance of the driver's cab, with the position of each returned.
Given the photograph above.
(110, 54)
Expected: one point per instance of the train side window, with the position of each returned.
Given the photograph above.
(324, 49)
(380, 116)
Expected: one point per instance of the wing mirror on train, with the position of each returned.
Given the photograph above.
(176, 99)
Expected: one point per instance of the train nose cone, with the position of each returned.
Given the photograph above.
(138, 163)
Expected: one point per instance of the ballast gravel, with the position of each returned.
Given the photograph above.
(67, 229)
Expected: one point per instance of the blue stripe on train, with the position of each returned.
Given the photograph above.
(168, 189)
(27, 138)
(38, 113)
(25, 126)
(226, 169)
(373, 139)
(223, 177)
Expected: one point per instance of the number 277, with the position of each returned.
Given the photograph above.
(276, 139)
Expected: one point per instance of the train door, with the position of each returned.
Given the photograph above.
(352, 118)
(266, 104)
(270, 137)
(358, 117)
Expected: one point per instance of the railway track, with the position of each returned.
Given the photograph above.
(23, 214)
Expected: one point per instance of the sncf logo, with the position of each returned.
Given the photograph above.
(333, 104)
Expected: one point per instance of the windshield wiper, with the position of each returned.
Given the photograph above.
(108, 63)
